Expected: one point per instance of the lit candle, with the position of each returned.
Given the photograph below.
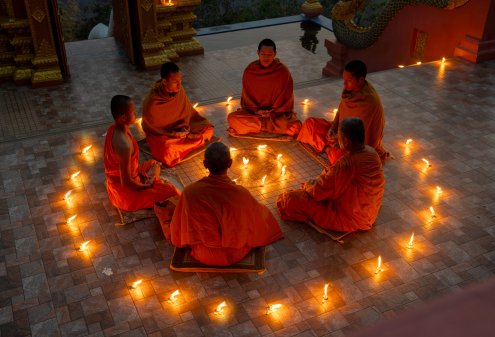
(139, 120)
(272, 308)
(67, 195)
(235, 180)
(136, 284)
(173, 296)
(379, 265)
(228, 100)
(409, 141)
(418, 63)
(325, 292)
(305, 102)
(84, 247)
(245, 161)
(219, 309)
(401, 66)
(427, 163)
(262, 147)
(86, 149)
(195, 105)
(443, 59)
(69, 220)
(263, 180)
(279, 156)
(411, 242)
(439, 190)
(283, 170)
(74, 175)
(432, 212)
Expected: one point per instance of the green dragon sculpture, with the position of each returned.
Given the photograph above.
(358, 37)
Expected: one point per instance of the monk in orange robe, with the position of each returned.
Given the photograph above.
(130, 186)
(173, 127)
(267, 97)
(345, 196)
(360, 100)
(219, 220)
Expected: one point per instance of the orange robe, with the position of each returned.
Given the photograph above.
(126, 198)
(163, 115)
(365, 105)
(345, 197)
(268, 88)
(221, 221)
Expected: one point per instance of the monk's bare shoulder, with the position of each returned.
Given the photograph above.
(121, 142)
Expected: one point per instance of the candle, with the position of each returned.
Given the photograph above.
(262, 147)
(379, 265)
(401, 66)
(86, 149)
(263, 180)
(279, 156)
(69, 220)
(283, 170)
(74, 175)
(84, 247)
(139, 120)
(411, 240)
(67, 195)
(427, 163)
(439, 190)
(443, 59)
(272, 308)
(228, 100)
(173, 296)
(409, 141)
(432, 212)
(219, 309)
(418, 63)
(136, 284)
(245, 161)
(325, 292)
(195, 105)
(306, 101)
(235, 180)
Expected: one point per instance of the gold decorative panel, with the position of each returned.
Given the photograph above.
(38, 15)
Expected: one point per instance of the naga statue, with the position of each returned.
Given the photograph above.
(358, 37)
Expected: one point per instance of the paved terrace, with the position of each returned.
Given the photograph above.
(47, 288)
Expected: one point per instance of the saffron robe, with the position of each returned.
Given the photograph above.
(221, 221)
(163, 115)
(345, 196)
(365, 105)
(270, 88)
(126, 198)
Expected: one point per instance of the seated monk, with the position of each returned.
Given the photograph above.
(267, 97)
(345, 196)
(360, 100)
(219, 220)
(173, 127)
(130, 186)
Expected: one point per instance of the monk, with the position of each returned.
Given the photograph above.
(267, 99)
(219, 220)
(360, 100)
(347, 195)
(130, 186)
(173, 127)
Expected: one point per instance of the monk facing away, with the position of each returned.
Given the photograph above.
(173, 127)
(219, 220)
(345, 196)
(130, 186)
(267, 99)
(360, 100)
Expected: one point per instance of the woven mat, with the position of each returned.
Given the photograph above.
(263, 136)
(319, 157)
(334, 235)
(254, 262)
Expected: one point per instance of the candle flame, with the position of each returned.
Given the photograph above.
(86, 149)
(229, 99)
(432, 212)
(139, 120)
(136, 284)
(379, 265)
(272, 308)
(411, 241)
(220, 307)
(233, 149)
(439, 190)
(401, 66)
(67, 195)
(245, 161)
(427, 163)
(263, 180)
(195, 105)
(283, 170)
(84, 246)
(173, 296)
(305, 101)
(74, 175)
(335, 110)
(235, 180)
(409, 141)
(325, 291)
(418, 63)
(443, 59)
(262, 147)
(279, 156)
(69, 220)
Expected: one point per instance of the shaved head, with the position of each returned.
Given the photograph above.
(217, 158)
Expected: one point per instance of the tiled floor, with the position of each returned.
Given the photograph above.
(49, 288)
